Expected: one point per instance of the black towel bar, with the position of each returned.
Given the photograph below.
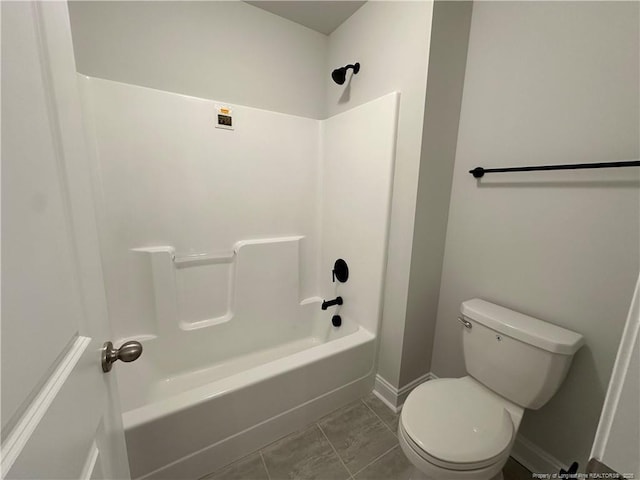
(479, 172)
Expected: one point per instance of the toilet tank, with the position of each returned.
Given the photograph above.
(522, 358)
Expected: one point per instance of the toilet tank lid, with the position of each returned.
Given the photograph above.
(522, 327)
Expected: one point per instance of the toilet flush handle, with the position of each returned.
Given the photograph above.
(466, 323)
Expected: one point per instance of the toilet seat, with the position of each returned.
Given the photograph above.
(457, 424)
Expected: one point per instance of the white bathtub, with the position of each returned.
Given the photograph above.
(189, 423)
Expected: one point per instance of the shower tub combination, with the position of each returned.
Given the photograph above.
(218, 248)
(207, 392)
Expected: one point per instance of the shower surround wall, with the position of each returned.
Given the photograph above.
(170, 178)
(217, 249)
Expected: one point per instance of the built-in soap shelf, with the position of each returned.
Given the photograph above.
(257, 276)
(199, 259)
(191, 259)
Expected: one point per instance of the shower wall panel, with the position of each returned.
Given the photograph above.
(357, 176)
(167, 177)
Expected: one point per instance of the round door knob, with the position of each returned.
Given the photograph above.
(128, 352)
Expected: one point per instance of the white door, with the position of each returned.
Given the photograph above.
(60, 414)
(617, 441)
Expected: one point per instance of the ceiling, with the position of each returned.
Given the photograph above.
(321, 16)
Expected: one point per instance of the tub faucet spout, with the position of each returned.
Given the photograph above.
(326, 304)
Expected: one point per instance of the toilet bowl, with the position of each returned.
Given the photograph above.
(464, 428)
(456, 428)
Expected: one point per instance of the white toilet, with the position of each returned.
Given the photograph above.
(464, 428)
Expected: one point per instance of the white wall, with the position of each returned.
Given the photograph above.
(447, 61)
(548, 82)
(226, 50)
(391, 42)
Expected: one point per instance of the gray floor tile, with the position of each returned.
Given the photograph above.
(362, 440)
(303, 455)
(381, 410)
(247, 468)
(392, 465)
(514, 471)
(358, 435)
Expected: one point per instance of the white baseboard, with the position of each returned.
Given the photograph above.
(226, 451)
(394, 397)
(386, 392)
(384, 399)
(534, 458)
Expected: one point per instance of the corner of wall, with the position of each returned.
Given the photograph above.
(388, 39)
(394, 397)
(447, 63)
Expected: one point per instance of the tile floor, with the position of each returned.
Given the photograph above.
(356, 442)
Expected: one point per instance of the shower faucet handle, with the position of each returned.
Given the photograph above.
(128, 352)
(340, 271)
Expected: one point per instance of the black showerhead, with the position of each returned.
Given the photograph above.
(340, 74)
